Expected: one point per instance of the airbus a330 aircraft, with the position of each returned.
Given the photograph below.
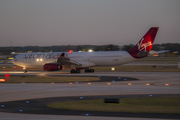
(54, 61)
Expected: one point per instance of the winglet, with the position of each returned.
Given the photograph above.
(143, 47)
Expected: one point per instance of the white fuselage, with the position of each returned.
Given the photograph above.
(89, 59)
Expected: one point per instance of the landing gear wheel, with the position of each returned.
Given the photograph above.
(78, 71)
(73, 71)
(89, 70)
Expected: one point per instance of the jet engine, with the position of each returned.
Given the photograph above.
(52, 67)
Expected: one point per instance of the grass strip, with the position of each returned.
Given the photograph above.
(166, 105)
(48, 79)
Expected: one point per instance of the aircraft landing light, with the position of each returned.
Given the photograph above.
(166, 84)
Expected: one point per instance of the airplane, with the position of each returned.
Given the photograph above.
(76, 61)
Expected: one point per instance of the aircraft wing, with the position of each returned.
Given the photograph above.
(63, 60)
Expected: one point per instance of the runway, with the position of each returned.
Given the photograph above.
(157, 81)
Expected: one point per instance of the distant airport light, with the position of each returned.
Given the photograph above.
(112, 68)
(119, 77)
(52, 82)
(2, 106)
(90, 50)
(81, 97)
(20, 110)
(150, 95)
(70, 51)
(41, 59)
(3, 67)
(166, 84)
(113, 80)
(79, 51)
(10, 58)
(175, 52)
(2, 80)
(129, 84)
(37, 59)
(108, 83)
(27, 102)
(147, 84)
(24, 68)
(89, 83)
(70, 83)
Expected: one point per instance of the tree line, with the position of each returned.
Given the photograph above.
(173, 47)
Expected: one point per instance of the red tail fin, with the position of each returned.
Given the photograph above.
(143, 47)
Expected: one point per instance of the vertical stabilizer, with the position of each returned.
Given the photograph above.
(143, 47)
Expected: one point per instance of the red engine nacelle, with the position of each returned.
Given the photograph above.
(52, 67)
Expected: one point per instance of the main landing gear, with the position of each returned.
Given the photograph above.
(75, 71)
(25, 71)
(78, 71)
(89, 70)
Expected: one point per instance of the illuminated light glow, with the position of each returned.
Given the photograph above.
(24, 68)
(70, 51)
(89, 83)
(155, 55)
(7, 75)
(147, 84)
(90, 50)
(37, 59)
(3, 67)
(175, 52)
(52, 82)
(2, 80)
(79, 51)
(10, 58)
(41, 59)
(108, 83)
(166, 84)
(70, 83)
(112, 68)
(129, 84)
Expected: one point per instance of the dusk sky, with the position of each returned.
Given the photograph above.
(87, 22)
